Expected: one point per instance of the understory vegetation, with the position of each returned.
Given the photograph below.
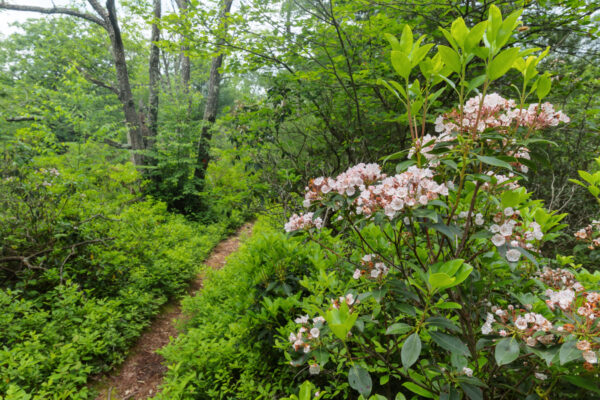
(423, 177)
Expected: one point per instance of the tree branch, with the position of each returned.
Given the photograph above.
(54, 10)
(117, 144)
(21, 118)
(95, 81)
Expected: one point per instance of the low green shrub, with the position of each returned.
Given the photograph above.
(85, 262)
(227, 348)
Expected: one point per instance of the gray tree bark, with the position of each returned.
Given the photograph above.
(154, 77)
(212, 102)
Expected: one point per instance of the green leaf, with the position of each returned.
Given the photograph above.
(543, 86)
(510, 198)
(449, 305)
(582, 382)
(450, 343)
(400, 396)
(419, 53)
(440, 279)
(442, 322)
(401, 63)
(450, 58)
(463, 273)
(502, 63)
(406, 40)
(507, 27)
(413, 387)
(476, 82)
(496, 162)
(360, 380)
(450, 267)
(398, 329)
(474, 37)
(472, 392)
(305, 391)
(507, 351)
(393, 41)
(411, 349)
(569, 352)
(459, 32)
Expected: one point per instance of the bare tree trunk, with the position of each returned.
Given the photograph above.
(134, 136)
(184, 58)
(154, 78)
(212, 102)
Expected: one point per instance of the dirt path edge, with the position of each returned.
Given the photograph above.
(143, 371)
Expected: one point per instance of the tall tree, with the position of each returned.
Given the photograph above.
(154, 76)
(106, 17)
(212, 97)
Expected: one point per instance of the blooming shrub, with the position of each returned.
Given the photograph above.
(441, 289)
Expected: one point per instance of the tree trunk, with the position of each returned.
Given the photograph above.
(134, 135)
(154, 77)
(212, 102)
(184, 58)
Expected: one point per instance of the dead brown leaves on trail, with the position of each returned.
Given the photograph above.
(142, 372)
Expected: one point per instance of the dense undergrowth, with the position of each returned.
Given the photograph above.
(86, 261)
(227, 350)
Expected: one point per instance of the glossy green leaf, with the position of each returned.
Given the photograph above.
(411, 349)
(450, 343)
(398, 328)
(360, 380)
(502, 63)
(507, 351)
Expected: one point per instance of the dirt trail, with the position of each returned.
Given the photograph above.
(143, 370)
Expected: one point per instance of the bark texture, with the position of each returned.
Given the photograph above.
(212, 101)
(154, 77)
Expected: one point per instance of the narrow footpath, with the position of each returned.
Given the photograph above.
(142, 372)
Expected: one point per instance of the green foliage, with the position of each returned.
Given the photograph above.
(226, 350)
(85, 263)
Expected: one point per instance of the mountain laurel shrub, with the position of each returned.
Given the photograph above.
(441, 289)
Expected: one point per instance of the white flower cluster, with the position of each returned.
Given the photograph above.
(501, 180)
(498, 113)
(426, 144)
(372, 268)
(560, 279)
(510, 231)
(348, 299)
(408, 189)
(346, 183)
(590, 234)
(306, 335)
(303, 221)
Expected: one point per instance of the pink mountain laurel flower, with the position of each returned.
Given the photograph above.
(590, 356)
(346, 183)
(314, 369)
(540, 376)
(562, 298)
(409, 189)
(371, 267)
(303, 221)
(498, 113)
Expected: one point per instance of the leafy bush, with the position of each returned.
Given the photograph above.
(227, 348)
(85, 262)
(444, 291)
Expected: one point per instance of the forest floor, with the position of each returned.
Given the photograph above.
(143, 370)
